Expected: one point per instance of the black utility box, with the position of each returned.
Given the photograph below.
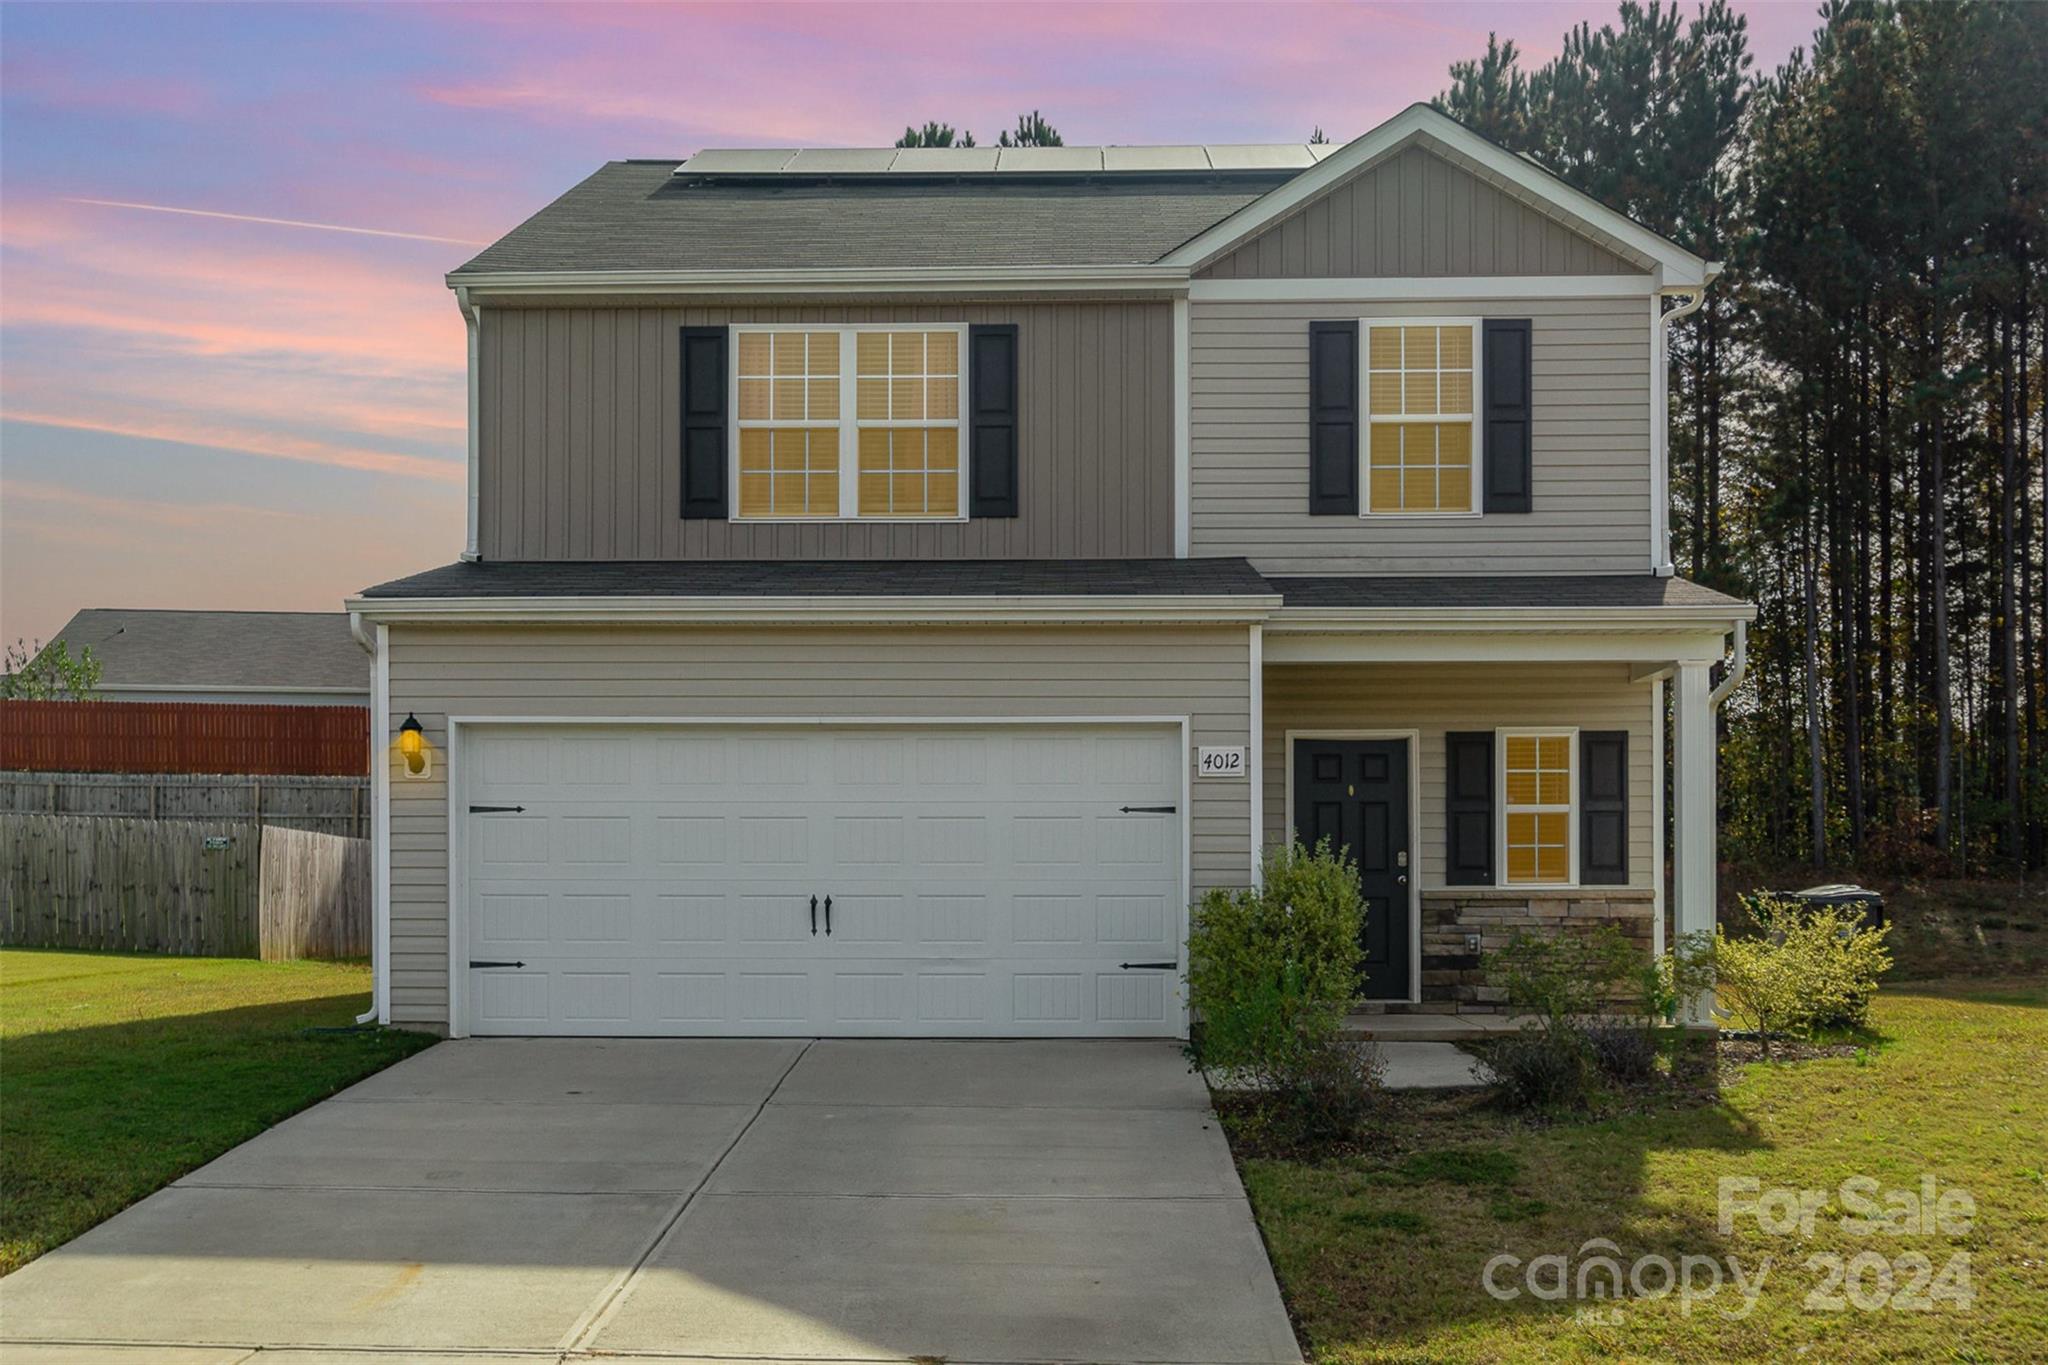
(1841, 896)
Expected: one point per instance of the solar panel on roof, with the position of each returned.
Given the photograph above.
(1188, 158)
(1183, 159)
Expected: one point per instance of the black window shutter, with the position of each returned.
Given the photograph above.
(1333, 419)
(992, 416)
(1603, 807)
(1468, 808)
(704, 423)
(1506, 412)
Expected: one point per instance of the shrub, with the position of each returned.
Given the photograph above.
(1539, 1068)
(1566, 977)
(1624, 1053)
(1271, 971)
(1319, 1093)
(1805, 969)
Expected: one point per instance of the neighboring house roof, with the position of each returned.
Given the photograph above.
(834, 578)
(755, 212)
(240, 651)
(1453, 591)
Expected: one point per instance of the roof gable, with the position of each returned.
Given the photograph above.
(1415, 213)
(245, 650)
(1446, 138)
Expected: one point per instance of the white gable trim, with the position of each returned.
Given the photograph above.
(1675, 265)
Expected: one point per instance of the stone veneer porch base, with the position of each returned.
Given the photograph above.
(1453, 982)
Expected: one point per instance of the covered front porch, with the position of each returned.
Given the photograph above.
(1496, 768)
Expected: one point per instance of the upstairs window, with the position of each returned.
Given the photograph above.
(1538, 794)
(849, 423)
(1421, 448)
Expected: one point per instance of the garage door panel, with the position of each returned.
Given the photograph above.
(983, 883)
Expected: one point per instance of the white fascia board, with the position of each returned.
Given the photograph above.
(1481, 646)
(1676, 265)
(1509, 618)
(1153, 278)
(800, 611)
(1367, 289)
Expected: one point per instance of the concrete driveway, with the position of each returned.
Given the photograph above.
(741, 1199)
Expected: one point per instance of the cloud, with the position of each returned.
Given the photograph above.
(265, 444)
(155, 512)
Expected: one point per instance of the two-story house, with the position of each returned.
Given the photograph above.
(900, 581)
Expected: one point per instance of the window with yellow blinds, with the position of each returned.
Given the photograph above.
(908, 412)
(788, 415)
(1420, 378)
(1537, 796)
(859, 422)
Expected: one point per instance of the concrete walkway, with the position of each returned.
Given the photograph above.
(743, 1199)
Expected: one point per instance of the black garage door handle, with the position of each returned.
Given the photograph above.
(474, 963)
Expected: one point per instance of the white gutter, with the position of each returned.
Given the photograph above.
(380, 824)
(471, 320)
(855, 280)
(1693, 295)
(235, 688)
(1738, 666)
(862, 610)
(1466, 619)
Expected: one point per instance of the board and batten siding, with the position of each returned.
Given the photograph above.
(579, 439)
(1248, 453)
(1414, 214)
(787, 672)
(1436, 698)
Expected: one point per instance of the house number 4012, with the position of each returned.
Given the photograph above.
(1215, 762)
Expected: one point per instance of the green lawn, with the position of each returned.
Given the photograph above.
(120, 1073)
(1381, 1257)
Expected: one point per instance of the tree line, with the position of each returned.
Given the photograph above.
(1857, 432)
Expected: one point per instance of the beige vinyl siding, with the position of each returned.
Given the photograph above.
(791, 672)
(1435, 698)
(580, 439)
(1590, 446)
(1415, 213)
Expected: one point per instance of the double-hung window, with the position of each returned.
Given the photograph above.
(1539, 808)
(857, 423)
(1421, 447)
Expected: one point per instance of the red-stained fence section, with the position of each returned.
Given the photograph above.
(184, 737)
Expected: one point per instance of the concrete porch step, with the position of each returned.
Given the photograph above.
(1427, 1028)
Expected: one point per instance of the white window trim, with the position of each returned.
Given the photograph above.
(848, 423)
(1501, 735)
(1365, 326)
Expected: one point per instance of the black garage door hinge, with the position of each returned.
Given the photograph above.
(1147, 810)
(473, 962)
(494, 810)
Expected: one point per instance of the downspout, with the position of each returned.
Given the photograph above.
(471, 317)
(380, 797)
(1691, 297)
(1737, 666)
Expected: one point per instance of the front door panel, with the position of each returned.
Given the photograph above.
(1354, 792)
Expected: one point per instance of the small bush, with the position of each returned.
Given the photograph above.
(1805, 970)
(1623, 1053)
(1539, 1069)
(1318, 1096)
(1271, 971)
(1566, 976)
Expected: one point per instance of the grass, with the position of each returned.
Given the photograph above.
(1381, 1255)
(120, 1073)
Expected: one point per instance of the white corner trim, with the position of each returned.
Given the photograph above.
(380, 830)
(1660, 418)
(472, 319)
(1183, 461)
(827, 610)
(1422, 288)
(1676, 264)
(1657, 773)
(1255, 753)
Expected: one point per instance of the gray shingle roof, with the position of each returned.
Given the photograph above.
(241, 650)
(1501, 590)
(637, 215)
(833, 578)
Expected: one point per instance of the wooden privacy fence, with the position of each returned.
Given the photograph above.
(187, 887)
(316, 896)
(183, 737)
(328, 805)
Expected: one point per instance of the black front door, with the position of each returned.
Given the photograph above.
(1354, 792)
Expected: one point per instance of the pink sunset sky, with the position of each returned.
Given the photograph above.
(230, 374)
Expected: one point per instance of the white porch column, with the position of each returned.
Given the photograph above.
(1693, 814)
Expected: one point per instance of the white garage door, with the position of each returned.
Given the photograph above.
(998, 881)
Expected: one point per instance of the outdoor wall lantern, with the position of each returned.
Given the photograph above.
(412, 744)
